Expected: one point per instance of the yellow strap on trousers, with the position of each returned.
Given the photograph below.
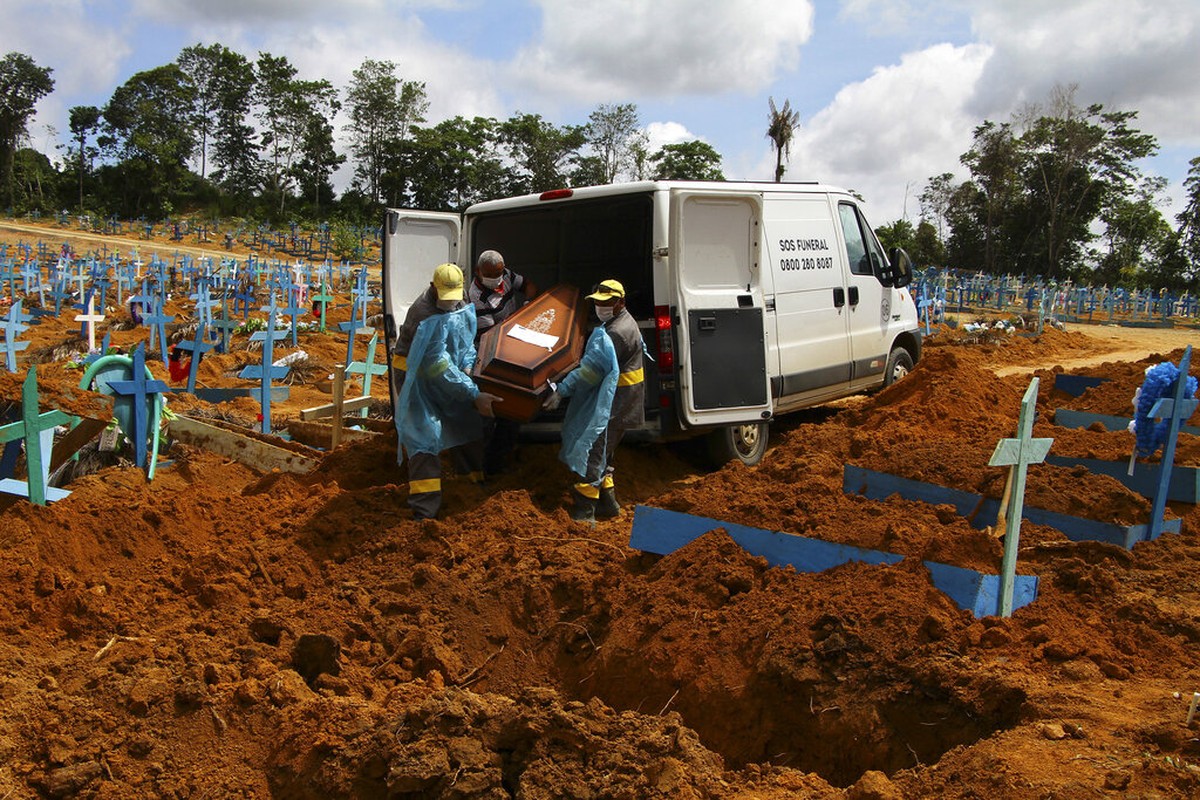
(425, 486)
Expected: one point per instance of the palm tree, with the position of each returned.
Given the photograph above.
(784, 122)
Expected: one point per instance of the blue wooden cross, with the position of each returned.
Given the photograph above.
(143, 390)
(204, 302)
(244, 297)
(293, 310)
(14, 324)
(8, 274)
(197, 347)
(1017, 454)
(38, 432)
(224, 323)
(157, 321)
(265, 372)
(1177, 408)
(368, 368)
(357, 322)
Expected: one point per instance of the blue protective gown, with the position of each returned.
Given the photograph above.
(436, 410)
(591, 387)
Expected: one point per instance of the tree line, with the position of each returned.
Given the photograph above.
(1056, 191)
(217, 133)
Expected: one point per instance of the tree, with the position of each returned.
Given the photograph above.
(201, 67)
(237, 166)
(611, 132)
(927, 247)
(1078, 160)
(22, 84)
(148, 126)
(687, 161)
(898, 234)
(382, 109)
(286, 108)
(780, 130)
(935, 200)
(994, 161)
(84, 120)
(539, 152)
(1189, 217)
(1136, 235)
(454, 164)
(318, 160)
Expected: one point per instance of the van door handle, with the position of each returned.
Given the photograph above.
(708, 323)
(853, 295)
(839, 297)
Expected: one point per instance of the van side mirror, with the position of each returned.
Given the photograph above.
(902, 269)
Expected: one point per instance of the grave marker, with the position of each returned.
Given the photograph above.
(1017, 454)
(1176, 409)
(142, 390)
(265, 372)
(38, 432)
(14, 324)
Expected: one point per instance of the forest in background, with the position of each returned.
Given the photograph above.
(1056, 191)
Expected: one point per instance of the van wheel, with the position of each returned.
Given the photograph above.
(899, 364)
(746, 443)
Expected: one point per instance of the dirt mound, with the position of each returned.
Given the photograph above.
(223, 631)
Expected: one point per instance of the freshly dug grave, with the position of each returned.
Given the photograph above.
(223, 632)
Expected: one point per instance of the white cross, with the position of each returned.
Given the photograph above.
(90, 319)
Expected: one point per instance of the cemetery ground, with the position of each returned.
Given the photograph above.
(226, 630)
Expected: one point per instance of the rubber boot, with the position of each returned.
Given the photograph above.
(607, 506)
(584, 509)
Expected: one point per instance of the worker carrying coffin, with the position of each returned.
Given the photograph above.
(439, 406)
(607, 397)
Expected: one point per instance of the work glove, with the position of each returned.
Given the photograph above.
(553, 400)
(483, 403)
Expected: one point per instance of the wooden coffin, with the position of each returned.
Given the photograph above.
(541, 342)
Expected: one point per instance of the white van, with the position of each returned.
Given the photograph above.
(755, 299)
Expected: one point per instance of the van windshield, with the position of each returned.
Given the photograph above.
(576, 242)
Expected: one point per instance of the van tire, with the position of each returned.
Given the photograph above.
(899, 364)
(746, 443)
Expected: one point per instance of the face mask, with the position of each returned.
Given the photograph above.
(604, 313)
(491, 283)
(447, 305)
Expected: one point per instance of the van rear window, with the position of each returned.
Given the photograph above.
(577, 242)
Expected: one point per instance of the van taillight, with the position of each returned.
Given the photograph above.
(666, 350)
(556, 194)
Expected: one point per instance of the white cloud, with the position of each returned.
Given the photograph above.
(1141, 55)
(613, 50)
(660, 133)
(887, 135)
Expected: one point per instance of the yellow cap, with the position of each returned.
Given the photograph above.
(448, 280)
(607, 290)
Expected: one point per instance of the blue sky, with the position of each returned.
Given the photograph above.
(888, 90)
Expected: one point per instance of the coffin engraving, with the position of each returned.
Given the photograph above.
(541, 342)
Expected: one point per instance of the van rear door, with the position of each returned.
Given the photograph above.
(718, 294)
(414, 242)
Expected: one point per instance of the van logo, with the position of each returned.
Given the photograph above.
(543, 322)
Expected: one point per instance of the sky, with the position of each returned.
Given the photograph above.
(888, 91)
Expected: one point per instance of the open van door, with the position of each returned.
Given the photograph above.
(718, 293)
(414, 242)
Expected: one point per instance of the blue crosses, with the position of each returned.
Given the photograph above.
(157, 321)
(357, 320)
(38, 432)
(13, 325)
(265, 372)
(197, 347)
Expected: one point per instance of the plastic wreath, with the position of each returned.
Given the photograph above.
(1160, 382)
